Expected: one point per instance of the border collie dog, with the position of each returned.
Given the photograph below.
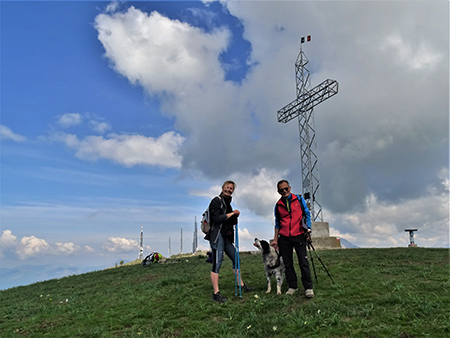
(273, 263)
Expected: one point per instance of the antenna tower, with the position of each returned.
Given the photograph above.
(302, 107)
(195, 239)
(181, 241)
(141, 243)
(170, 249)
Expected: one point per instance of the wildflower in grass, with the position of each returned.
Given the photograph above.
(248, 327)
(318, 311)
(256, 296)
(274, 328)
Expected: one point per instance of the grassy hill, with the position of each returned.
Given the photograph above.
(398, 292)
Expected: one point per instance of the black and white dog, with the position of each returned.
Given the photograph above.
(273, 263)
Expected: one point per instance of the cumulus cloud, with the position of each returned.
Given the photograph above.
(7, 242)
(128, 150)
(7, 239)
(116, 244)
(383, 224)
(245, 234)
(67, 248)
(7, 134)
(162, 55)
(32, 246)
(69, 119)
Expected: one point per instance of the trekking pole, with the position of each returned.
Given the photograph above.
(326, 270)
(237, 265)
(312, 261)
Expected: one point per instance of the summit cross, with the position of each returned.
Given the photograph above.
(302, 107)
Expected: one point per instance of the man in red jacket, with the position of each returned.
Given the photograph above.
(292, 231)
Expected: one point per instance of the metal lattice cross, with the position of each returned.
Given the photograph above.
(302, 107)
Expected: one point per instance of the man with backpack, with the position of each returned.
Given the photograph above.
(221, 237)
(292, 231)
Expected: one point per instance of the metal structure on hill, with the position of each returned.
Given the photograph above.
(302, 108)
(181, 241)
(195, 237)
(141, 243)
(411, 237)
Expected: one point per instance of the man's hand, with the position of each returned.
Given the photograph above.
(236, 212)
(308, 236)
(274, 244)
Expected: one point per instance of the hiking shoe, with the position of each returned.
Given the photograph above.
(217, 297)
(291, 291)
(309, 293)
(246, 288)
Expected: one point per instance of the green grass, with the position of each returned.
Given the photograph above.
(399, 292)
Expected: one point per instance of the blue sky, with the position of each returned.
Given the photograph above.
(116, 114)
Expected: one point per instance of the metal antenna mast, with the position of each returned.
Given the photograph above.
(195, 240)
(170, 248)
(302, 107)
(141, 243)
(181, 241)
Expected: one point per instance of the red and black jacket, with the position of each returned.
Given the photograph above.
(289, 214)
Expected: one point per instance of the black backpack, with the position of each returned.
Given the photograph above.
(154, 257)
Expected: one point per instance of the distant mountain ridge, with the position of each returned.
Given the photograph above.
(347, 245)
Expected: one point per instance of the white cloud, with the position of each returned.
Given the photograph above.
(7, 239)
(67, 248)
(88, 249)
(383, 224)
(112, 6)
(422, 58)
(258, 192)
(161, 54)
(116, 244)
(7, 134)
(7, 242)
(245, 234)
(99, 127)
(32, 246)
(69, 119)
(128, 150)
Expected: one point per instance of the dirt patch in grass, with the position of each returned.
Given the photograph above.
(405, 335)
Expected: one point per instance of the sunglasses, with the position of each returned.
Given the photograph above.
(283, 189)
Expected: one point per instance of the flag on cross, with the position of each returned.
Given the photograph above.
(308, 39)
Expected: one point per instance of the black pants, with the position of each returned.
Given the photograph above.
(286, 246)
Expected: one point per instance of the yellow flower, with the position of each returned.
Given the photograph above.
(274, 328)
(248, 327)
